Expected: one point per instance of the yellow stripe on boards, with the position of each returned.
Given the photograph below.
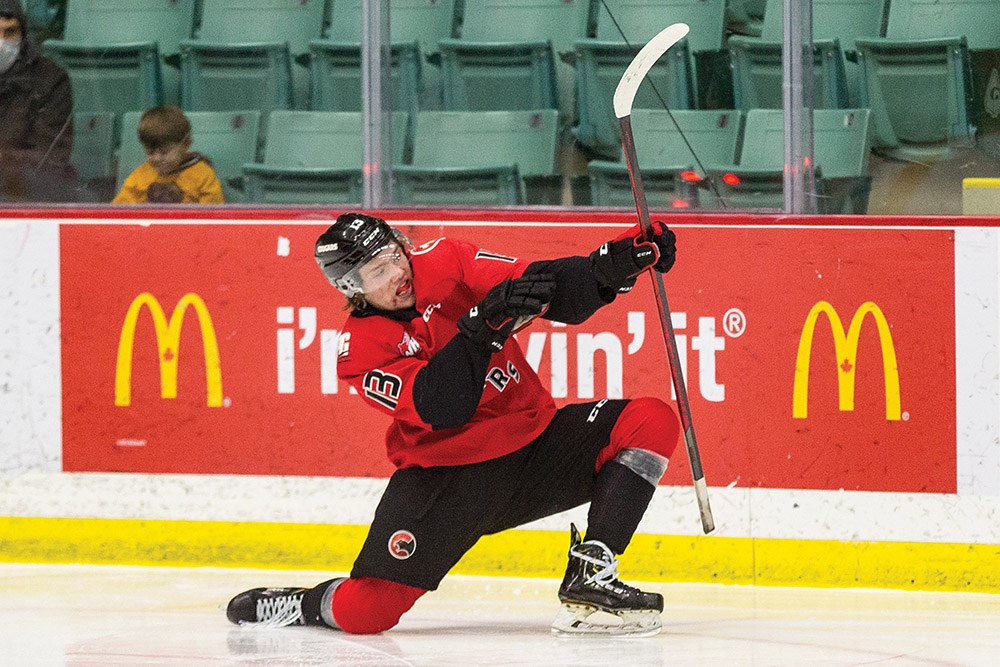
(521, 553)
(981, 182)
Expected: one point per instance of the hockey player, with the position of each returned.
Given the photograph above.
(477, 441)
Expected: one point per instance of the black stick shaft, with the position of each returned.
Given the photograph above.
(667, 328)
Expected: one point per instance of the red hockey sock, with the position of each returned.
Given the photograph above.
(368, 605)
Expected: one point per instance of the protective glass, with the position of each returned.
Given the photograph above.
(375, 273)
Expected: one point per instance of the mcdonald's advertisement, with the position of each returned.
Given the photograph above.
(815, 357)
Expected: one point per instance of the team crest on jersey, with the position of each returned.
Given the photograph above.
(409, 346)
(402, 544)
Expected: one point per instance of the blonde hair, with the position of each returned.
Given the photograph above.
(164, 125)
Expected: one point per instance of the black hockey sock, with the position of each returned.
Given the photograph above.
(619, 500)
(312, 601)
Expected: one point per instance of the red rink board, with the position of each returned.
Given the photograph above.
(753, 286)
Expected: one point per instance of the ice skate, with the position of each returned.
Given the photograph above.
(595, 602)
(267, 607)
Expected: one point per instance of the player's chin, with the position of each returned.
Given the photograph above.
(407, 301)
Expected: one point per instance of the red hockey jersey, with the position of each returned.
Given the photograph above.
(381, 356)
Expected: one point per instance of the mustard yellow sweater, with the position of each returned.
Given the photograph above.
(195, 180)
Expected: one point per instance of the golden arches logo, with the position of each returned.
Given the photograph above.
(846, 347)
(168, 335)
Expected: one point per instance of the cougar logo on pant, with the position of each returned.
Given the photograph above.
(402, 544)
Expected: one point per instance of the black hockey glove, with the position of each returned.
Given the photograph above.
(618, 263)
(505, 306)
(666, 243)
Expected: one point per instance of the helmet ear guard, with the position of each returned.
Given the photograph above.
(353, 240)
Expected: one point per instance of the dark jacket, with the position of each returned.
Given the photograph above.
(36, 128)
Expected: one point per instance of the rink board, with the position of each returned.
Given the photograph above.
(811, 466)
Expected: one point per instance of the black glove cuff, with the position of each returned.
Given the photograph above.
(473, 325)
(615, 265)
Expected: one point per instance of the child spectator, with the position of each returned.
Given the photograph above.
(171, 174)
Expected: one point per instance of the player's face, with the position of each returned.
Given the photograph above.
(387, 280)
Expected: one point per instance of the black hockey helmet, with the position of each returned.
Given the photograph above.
(353, 240)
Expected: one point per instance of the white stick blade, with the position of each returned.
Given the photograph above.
(701, 493)
(642, 63)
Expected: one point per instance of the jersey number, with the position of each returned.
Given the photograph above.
(383, 388)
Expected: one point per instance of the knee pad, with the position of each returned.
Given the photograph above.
(645, 424)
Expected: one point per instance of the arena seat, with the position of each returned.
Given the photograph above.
(841, 150)
(756, 63)
(504, 55)
(241, 55)
(916, 80)
(620, 33)
(425, 22)
(110, 78)
(93, 154)
(484, 157)
(335, 76)
(664, 154)
(315, 157)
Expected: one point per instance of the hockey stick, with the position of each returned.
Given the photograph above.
(624, 96)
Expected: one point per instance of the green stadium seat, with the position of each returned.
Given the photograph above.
(453, 186)
(315, 157)
(757, 71)
(297, 22)
(504, 56)
(845, 20)
(249, 44)
(976, 20)
(93, 154)
(842, 140)
(620, 34)
(487, 138)
(115, 79)
(335, 71)
(599, 67)
(119, 26)
(664, 155)
(916, 80)
(230, 77)
(745, 17)
(229, 139)
(165, 22)
(425, 22)
(640, 20)
(481, 157)
(917, 90)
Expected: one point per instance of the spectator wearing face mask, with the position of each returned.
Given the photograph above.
(36, 117)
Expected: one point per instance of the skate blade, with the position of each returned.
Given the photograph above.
(579, 619)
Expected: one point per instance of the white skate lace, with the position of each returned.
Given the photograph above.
(607, 572)
(277, 612)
